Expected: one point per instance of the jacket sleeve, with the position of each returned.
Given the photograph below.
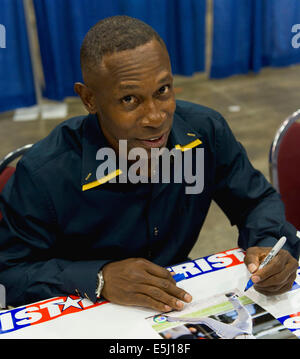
(247, 198)
(29, 269)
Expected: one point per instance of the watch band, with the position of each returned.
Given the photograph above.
(100, 284)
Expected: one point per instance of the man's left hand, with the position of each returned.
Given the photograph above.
(276, 277)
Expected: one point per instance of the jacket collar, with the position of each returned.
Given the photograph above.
(182, 137)
(93, 140)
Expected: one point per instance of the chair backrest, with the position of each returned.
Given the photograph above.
(5, 176)
(13, 155)
(284, 160)
(7, 171)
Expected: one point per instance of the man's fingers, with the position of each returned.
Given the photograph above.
(143, 300)
(170, 287)
(278, 276)
(161, 278)
(254, 257)
(252, 267)
(158, 271)
(275, 289)
(160, 295)
(252, 263)
(278, 270)
(277, 281)
(273, 269)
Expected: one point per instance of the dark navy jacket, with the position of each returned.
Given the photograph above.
(61, 225)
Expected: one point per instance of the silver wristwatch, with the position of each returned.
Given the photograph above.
(100, 284)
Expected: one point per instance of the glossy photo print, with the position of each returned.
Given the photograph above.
(230, 315)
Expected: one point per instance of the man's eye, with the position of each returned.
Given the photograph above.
(128, 99)
(164, 89)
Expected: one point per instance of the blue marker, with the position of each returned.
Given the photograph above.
(268, 258)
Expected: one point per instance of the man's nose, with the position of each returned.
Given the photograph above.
(153, 116)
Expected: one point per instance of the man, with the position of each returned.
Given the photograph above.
(67, 230)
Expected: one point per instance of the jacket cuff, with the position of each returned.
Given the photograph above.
(80, 278)
(267, 242)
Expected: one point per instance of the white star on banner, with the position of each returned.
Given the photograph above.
(70, 303)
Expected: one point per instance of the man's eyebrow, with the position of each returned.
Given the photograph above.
(125, 86)
(165, 79)
(128, 87)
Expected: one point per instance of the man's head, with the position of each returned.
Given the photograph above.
(114, 34)
(128, 82)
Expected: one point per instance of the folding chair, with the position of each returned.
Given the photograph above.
(6, 170)
(284, 161)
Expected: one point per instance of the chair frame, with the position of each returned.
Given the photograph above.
(12, 156)
(275, 146)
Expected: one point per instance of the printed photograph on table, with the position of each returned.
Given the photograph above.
(230, 315)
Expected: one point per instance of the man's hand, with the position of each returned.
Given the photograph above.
(136, 281)
(276, 277)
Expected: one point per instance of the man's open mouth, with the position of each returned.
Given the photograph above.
(155, 141)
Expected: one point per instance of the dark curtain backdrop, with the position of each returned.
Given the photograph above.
(62, 25)
(16, 78)
(250, 34)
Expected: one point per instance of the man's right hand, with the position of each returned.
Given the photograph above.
(137, 281)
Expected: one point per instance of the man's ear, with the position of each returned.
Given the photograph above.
(87, 96)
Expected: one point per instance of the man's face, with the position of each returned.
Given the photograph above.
(134, 98)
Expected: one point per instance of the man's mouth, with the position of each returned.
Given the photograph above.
(153, 142)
